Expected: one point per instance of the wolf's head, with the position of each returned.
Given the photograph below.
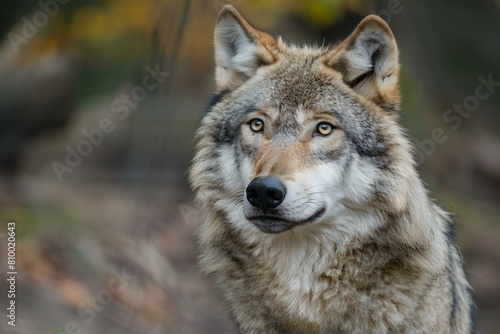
(300, 136)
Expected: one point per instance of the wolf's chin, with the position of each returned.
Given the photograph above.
(275, 224)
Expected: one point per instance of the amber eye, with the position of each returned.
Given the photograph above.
(256, 125)
(324, 129)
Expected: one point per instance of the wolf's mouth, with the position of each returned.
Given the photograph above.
(269, 223)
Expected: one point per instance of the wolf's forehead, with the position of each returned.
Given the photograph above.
(300, 84)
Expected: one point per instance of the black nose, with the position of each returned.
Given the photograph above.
(266, 192)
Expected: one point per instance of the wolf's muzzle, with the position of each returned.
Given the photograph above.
(266, 192)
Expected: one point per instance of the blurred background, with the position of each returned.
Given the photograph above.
(99, 102)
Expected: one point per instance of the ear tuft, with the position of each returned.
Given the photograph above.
(240, 49)
(368, 61)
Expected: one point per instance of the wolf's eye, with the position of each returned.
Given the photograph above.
(324, 129)
(256, 125)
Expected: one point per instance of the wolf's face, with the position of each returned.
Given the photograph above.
(301, 136)
(294, 150)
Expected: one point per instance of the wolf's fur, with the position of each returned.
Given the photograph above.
(358, 245)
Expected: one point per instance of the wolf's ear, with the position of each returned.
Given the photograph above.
(369, 62)
(240, 49)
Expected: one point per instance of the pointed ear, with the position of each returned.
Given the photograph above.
(240, 49)
(369, 62)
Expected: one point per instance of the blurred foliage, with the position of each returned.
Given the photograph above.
(108, 37)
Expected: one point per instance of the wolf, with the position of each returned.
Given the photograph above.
(314, 218)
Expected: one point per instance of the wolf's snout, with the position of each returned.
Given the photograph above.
(266, 192)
